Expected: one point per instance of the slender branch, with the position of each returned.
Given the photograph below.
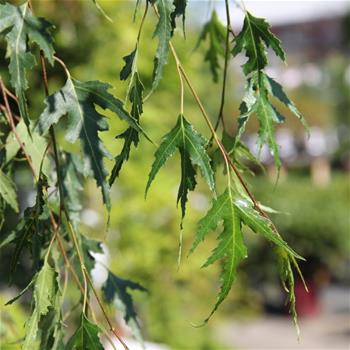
(9, 117)
(142, 23)
(223, 91)
(113, 330)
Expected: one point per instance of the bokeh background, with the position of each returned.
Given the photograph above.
(312, 195)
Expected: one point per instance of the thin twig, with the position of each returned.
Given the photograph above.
(9, 117)
(223, 91)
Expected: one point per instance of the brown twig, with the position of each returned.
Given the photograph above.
(9, 117)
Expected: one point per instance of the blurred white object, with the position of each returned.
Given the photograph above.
(134, 345)
(90, 217)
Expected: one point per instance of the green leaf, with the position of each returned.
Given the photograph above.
(20, 25)
(216, 32)
(74, 172)
(267, 114)
(180, 10)
(275, 89)
(231, 248)
(163, 32)
(259, 224)
(116, 289)
(192, 147)
(35, 146)
(287, 279)
(33, 231)
(45, 290)
(77, 100)
(130, 136)
(254, 38)
(85, 337)
(129, 61)
(8, 191)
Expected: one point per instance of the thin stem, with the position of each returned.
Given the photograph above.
(223, 91)
(141, 24)
(10, 120)
(223, 151)
(113, 330)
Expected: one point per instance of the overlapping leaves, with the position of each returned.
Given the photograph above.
(191, 146)
(254, 39)
(235, 211)
(20, 25)
(78, 100)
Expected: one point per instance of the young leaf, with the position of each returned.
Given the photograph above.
(254, 38)
(44, 291)
(216, 32)
(163, 32)
(130, 136)
(85, 337)
(191, 146)
(77, 100)
(8, 191)
(231, 248)
(117, 289)
(21, 26)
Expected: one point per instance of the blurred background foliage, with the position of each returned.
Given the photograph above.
(143, 236)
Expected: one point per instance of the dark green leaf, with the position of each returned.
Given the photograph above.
(180, 10)
(129, 61)
(77, 100)
(85, 337)
(276, 90)
(116, 289)
(163, 32)
(254, 38)
(21, 26)
(130, 136)
(216, 32)
(192, 147)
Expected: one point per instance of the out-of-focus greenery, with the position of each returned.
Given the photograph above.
(143, 235)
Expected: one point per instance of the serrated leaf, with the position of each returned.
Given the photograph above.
(21, 26)
(287, 279)
(127, 68)
(130, 136)
(216, 32)
(116, 289)
(77, 100)
(259, 224)
(163, 32)
(179, 10)
(267, 114)
(231, 248)
(44, 291)
(8, 191)
(275, 89)
(254, 38)
(192, 145)
(74, 172)
(86, 336)
(88, 247)
(32, 228)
